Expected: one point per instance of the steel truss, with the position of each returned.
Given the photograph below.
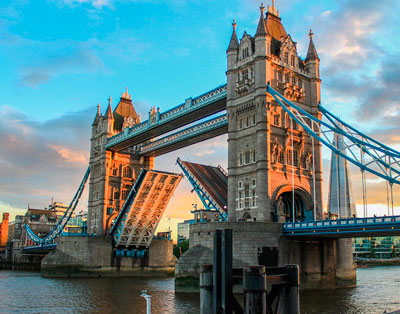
(143, 208)
(363, 151)
(58, 229)
(207, 200)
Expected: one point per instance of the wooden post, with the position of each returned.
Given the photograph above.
(217, 268)
(255, 290)
(206, 289)
(293, 287)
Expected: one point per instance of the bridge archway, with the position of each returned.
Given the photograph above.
(303, 203)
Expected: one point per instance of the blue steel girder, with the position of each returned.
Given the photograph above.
(190, 106)
(205, 197)
(346, 227)
(59, 227)
(201, 131)
(363, 151)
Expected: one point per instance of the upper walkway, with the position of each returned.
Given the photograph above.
(192, 110)
(345, 228)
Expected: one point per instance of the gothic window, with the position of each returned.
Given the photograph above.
(240, 185)
(286, 77)
(245, 74)
(240, 159)
(253, 198)
(285, 58)
(247, 121)
(292, 60)
(245, 52)
(116, 194)
(295, 159)
(254, 119)
(247, 157)
(238, 77)
(240, 123)
(253, 182)
(127, 172)
(252, 73)
(289, 157)
(246, 195)
(281, 160)
(276, 119)
(254, 155)
(293, 80)
(280, 76)
(114, 171)
(124, 194)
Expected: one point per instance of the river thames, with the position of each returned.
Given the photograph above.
(378, 289)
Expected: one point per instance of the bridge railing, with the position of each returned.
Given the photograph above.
(342, 222)
(190, 105)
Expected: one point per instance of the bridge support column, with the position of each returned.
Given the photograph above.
(345, 268)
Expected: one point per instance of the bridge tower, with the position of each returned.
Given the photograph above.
(269, 156)
(112, 174)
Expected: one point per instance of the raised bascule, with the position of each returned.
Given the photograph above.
(271, 196)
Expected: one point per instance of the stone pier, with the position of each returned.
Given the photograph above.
(324, 263)
(93, 257)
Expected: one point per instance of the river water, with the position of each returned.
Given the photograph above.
(378, 289)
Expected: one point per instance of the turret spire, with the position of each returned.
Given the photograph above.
(262, 27)
(312, 52)
(272, 9)
(234, 43)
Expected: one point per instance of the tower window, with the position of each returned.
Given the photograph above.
(285, 57)
(254, 155)
(240, 185)
(280, 76)
(276, 119)
(127, 172)
(286, 77)
(245, 52)
(254, 119)
(247, 157)
(292, 61)
(245, 74)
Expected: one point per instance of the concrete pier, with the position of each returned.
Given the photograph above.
(324, 263)
(93, 257)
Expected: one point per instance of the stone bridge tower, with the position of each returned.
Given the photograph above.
(112, 174)
(259, 136)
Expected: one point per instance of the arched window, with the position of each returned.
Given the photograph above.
(127, 172)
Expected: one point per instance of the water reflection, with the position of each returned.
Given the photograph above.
(378, 289)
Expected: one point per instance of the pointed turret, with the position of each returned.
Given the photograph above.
(234, 43)
(262, 27)
(97, 116)
(109, 114)
(312, 52)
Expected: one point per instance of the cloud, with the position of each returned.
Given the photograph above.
(41, 160)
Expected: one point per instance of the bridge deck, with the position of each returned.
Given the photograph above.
(213, 180)
(198, 108)
(345, 228)
(143, 208)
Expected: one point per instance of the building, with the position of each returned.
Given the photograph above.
(112, 174)
(266, 149)
(376, 247)
(4, 231)
(340, 200)
(199, 216)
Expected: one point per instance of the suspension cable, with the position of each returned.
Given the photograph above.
(387, 191)
(291, 126)
(313, 169)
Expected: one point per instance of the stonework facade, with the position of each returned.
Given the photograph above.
(112, 174)
(264, 144)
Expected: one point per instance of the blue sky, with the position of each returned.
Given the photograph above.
(59, 58)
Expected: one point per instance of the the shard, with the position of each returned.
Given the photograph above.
(340, 200)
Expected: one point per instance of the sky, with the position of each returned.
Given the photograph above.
(60, 58)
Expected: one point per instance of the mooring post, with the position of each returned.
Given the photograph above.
(255, 290)
(217, 268)
(293, 287)
(206, 289)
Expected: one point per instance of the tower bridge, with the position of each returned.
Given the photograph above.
(272, 195)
